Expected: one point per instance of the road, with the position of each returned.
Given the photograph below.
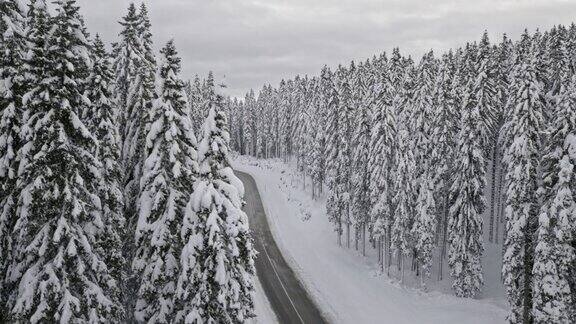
(288, 298)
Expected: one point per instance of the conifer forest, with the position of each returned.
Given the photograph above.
(120, 201)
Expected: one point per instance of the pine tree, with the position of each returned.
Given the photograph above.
(104, 117)
(216, 280)
(128, 58)
(555, 256)
(250, 134)
(144, 32)
(197, 112)
(502, 80)
(338, 157)
(325, 101)
(421, 127)
(486, 91)
(286, 118)
(443, 139)
(523, 132)
(168, 177)
(12, 87)
(467, 202)
(12, 49)
(403, 201)
(381, 150)
(360, 150)
(63, 276)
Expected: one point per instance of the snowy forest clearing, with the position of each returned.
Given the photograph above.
(349, 287)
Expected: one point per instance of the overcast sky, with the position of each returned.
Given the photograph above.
(254, 42)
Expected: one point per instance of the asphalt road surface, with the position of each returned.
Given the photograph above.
(288, 298)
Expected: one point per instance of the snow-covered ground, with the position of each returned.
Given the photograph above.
(348, 287)
(264, 312)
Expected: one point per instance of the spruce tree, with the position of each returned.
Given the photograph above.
(523, 133)
(360, 151)
(197, 112)
(382, 148)
(61, 274)
(443, 139)
(12, 88)
(128, 54)
(421, 119)
(251, 131)
(169, 174)
(12, 47)
(338, 159)
(216, 279)
(467, 202)
(103, 117)
(555, 255)
(405, 170)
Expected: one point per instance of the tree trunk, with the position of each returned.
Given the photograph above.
(364, 239)
(493, 194)
(444, 239)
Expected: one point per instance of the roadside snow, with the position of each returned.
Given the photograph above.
(349, 288)
(263, 309)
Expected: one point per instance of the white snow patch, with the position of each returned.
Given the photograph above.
(262, 307)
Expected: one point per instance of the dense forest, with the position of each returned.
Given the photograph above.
(415, 157)
(118, 203)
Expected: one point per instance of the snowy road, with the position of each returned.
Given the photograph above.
(288, 298)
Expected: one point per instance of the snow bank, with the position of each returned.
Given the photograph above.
(263, 309)
(348, 287)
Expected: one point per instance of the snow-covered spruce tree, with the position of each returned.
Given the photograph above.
(169, 174)
(300, 134)
(144, 28)
(135, 68)
(261, 122)
(104, 118)
(524, 144)
(286, 119)
(486, 90)
(216, 279)
(467, 202)
(445, 128)
(502, 76)
(486, 95)
(136, 65)
(127, 60)
(12, 87)
(251, 131)
(555, 256)
(12, 50)
(140, 97)
(360, 149)
(64, 277)
(196, 112)
(32, 69)
(405, 168)
(316, 156)
(424, 226)
(337, 160)
(326, 101)
(382, 149)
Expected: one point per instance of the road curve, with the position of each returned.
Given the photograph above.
(288, 298)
